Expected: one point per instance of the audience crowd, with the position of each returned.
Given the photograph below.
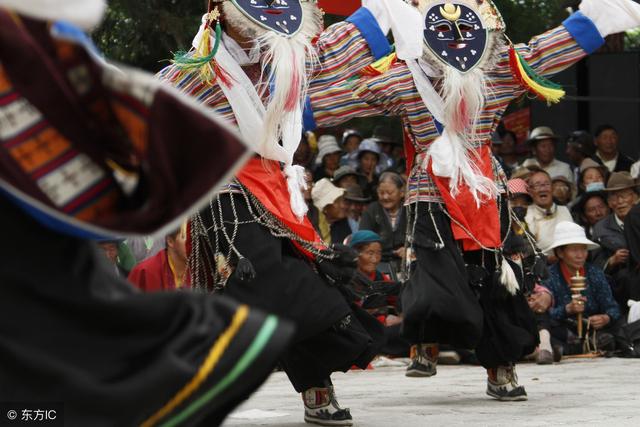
(575, 219)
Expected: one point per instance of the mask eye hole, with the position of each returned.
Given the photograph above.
(465, 27)
(443, 27)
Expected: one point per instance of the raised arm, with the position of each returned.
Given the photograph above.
(346, 47)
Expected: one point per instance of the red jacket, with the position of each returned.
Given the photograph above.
(154, 274)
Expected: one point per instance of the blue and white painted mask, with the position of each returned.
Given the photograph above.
(282, 16)
(456, 34)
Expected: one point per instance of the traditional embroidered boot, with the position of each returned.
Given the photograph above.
(502, 384)
(321, 407)
(424, 360)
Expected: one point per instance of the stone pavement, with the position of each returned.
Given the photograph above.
(594, 392)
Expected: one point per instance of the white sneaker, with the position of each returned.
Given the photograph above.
(322, 408)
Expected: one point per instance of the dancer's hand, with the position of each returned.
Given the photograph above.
(599, 321)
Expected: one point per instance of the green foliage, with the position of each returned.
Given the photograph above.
(146, 32)
(526, 18)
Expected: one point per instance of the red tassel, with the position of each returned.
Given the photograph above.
(293, 97)
(222, 75)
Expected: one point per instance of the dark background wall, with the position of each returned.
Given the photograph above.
(604, 88)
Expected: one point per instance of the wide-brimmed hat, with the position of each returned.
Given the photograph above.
(570, 233)
(327, 144)
(343, 171)
(518, 187)
(620, 181)
(362, 237)
(541, 133)
(325, 193)
(369, 145)
(355, 194)
(521, 172)
(382, 134)
(589, 163)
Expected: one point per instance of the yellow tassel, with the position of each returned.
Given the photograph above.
(552, 96)
(381, 66)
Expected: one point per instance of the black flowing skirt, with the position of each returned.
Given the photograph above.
(441, 304)
(72, 332)
(331, 333)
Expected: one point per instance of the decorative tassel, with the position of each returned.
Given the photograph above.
(508, 278)
(379, 67)
(541, 87)
(245, 270)
(203, 57)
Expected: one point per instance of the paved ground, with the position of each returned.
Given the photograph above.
(596, 392)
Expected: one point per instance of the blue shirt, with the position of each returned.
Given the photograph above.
(598, 292)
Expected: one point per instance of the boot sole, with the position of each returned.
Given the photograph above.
(507, 398)
(419, 374)
(317, 421)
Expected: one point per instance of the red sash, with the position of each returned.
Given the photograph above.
(482, 222)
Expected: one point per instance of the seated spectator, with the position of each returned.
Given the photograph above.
(387, 217)
(144, 247)
(351, 140)
(590, 208)
(629, 278)
(111, 252)
(507, 151)
(579, 147)
(391, 150)
(328, 159)
(168, 269)
(519, 201)
(346, 176)
(599, 309)
(622, 194)
(607, 152)
(375, 291)
(538, 297)
(368, 160)
(562, 190)
(333, 225)
(592, 176)
(356, 205)
(496, 142)
(543, 215)
(543, 146)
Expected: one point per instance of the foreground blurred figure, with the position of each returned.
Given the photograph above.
(87, 151)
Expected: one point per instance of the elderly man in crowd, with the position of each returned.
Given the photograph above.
(589, 209)
(607, 152)
(543, 215)
(543, 146)
(622, 192)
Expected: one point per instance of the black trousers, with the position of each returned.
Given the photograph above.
(331, 334)
(455, 298)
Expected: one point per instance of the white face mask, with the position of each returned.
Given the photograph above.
(83, 13)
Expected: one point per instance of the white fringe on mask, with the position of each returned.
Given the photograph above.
(286, 64)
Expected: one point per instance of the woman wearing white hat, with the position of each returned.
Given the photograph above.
(597, 305)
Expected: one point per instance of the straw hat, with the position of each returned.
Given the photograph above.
(541, 133)
(620, 181)
(589, 163)
(369, 145)
(570, 233)
(327, 144)
(325, 193)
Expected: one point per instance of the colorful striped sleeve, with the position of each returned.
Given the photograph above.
(548, 54)
(347, 47)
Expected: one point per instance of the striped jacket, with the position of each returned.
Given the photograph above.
(394, 94)
(342, 50)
